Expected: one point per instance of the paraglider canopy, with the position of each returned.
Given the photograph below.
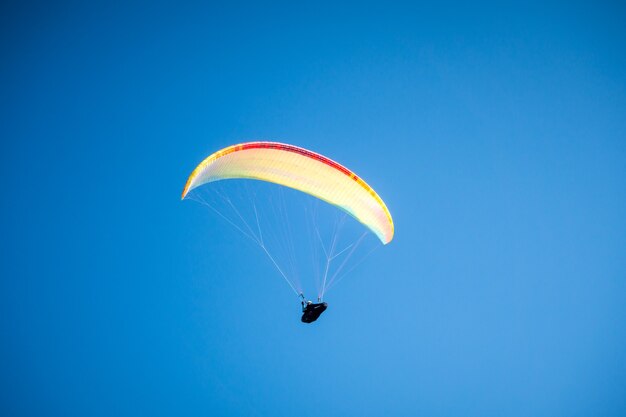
(302, 170)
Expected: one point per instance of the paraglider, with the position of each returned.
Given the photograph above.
(309, 173)
(312, 311)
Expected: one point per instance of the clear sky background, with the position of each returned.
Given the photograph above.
(496, 134)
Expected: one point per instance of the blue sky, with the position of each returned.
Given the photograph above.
(496, 134)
